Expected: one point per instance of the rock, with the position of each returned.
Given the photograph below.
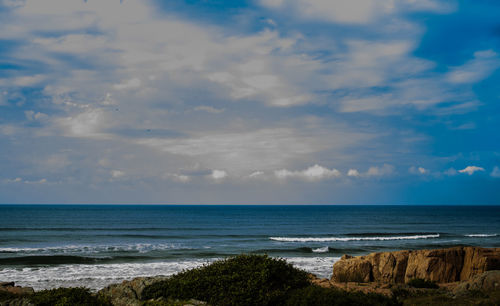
(352, 270)
(440, 265)
(17, 293)
(322, 282)
(12, 288)
(485, 282)
(128, 293)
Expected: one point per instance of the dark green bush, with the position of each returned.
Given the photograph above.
(240, 280)
(318, 296)
(67, 297)
(5, 296)
(422, 283)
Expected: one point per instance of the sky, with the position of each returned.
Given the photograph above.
(250, 101)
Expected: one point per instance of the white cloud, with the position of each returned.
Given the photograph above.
(386, 169)
(477, 69)
(245, 151)
(209, 109)
(218, 174)
(313, 173)
(355, 11)
(353, 173)
(88, 124)
(117, 174)
(256, 174)
(181, 178)
(495, 172)
(418, 170)
(15, 180)
(471, 169)
(35, 116)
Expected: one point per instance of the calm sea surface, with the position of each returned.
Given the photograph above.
(46, 246)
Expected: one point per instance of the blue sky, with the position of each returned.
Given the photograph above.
(255, 102)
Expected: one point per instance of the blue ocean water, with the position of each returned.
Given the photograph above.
(46, 246)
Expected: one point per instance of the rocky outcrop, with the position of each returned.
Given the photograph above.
(12, 288)
(441, 265)
(128, 293)
(487, 282)
(14, 295)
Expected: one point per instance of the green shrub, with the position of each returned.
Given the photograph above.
(318, 296)
(240, 280)
(67, 297)
(5, 296)
(422, 283)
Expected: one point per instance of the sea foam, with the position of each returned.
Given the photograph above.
(98, 276)
(329, 239)
(86, 249)
(481, 235)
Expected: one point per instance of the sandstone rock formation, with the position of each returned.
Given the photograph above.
(441, 265)
(486, 282)
(12, 288)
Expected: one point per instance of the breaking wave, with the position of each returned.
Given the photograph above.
(330, 239)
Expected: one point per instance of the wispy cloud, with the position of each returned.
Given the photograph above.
(313, 173)
(470, 170)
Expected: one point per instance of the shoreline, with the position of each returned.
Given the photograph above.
(454, 272)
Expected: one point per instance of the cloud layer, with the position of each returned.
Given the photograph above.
(98, 96)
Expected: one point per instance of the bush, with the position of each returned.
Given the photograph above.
(240, 280)
(67, 297)
(317, 296)
(422, 283)
(5, 296)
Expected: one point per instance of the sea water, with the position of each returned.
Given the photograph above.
(47, 246)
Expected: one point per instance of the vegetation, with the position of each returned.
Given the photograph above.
(442, 298)
(254, 280)
(5, 296)
(422, 283)
(67, 297)
(240, 280)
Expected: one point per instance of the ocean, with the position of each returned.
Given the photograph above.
(47, 246)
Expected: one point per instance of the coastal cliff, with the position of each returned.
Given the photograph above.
(440, 265)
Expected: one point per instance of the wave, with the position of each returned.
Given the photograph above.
(65, 259)
(97, 276)
(80, 229)
(384, 234)
(139, 247)
(332, 239)
(321, 250)
(481, 235)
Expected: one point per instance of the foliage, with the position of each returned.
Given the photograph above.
(240, 280)
(422, 283)
(67, 297)
(315, 295)
(5, 295)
